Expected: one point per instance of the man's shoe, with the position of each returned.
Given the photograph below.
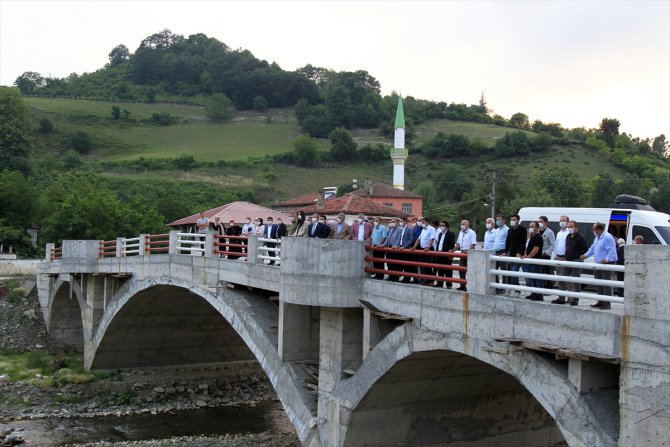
(574, 302)
(530, 297)
(597, 305)
(558, 301)
(605, 306)
(537, 298)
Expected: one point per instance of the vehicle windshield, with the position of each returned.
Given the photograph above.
(665, 233)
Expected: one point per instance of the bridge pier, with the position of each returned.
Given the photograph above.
(645, 348)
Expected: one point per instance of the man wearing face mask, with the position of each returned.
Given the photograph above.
(233, 230)
(379, 235)
(559, 254)
(548, 244)
(467, 239)
(318, 228)
(361, 230)
(489, 235)
(425, 243)
(515, 247)
(392, 240)
(406, 241)
(533, 250)
(446, 240)
(499, 246)
(575, 246)
(270, 232)
(603, 251)
(340, 229)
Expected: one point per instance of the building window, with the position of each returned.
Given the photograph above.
(407, 207)
(390, 205)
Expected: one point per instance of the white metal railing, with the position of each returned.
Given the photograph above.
(191, 243)
(558, 278)
(130, 246)
(269, 253)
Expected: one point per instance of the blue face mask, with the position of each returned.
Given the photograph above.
(498, 223)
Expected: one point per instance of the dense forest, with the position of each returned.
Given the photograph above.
(50, 176)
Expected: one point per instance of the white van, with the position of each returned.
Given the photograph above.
(621, 222)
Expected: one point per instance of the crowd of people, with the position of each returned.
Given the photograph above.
(423, 240)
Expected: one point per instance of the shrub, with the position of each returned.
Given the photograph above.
(162, 118)
(81, 142)
(46, 126)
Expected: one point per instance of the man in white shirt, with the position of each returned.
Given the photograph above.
(490, 235)
(425, 242)
(467, 239)
(203, 226)
(559, 254)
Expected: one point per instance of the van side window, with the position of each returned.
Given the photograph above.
(647, 233)
(586, 228)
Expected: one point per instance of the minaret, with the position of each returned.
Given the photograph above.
(399, 153)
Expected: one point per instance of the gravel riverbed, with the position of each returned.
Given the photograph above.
(129, 391)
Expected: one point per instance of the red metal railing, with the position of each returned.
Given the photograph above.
(57, 253)
(410, 258)
(235, 246)
(156, 243)
(107, 249)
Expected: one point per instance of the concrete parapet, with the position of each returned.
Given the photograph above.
(479, 277)
(322, 272)
(645, 348)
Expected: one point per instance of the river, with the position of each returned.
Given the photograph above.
(267, 416)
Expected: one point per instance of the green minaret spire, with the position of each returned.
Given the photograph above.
(399, 115)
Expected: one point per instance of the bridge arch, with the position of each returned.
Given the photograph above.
(146, 317)
(65, 310)
(536, 389)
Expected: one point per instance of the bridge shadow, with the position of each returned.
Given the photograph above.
(66, 316)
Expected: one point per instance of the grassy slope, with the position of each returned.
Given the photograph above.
(258, 134)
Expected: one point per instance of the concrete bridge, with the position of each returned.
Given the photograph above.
(363, 362)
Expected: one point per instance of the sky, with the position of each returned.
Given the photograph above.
(571, 62)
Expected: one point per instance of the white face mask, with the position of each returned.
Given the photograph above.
(360, 221)
(269, 222)
(513, 223)
(248, 221)
(339, 221)
(401, 224)
(571, 230)
(424, 226)
(463, 227)
(391, 225)
(256, 222)
(531, 230)
(322, 221)
(563, 224)
(541, 225)
(443, 229)
(279, 222)
(489, 226)
(376, 224)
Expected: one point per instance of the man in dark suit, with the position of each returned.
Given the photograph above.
(318, 228)
(270, 233)
(446, 239)
(282, 229)
(234, 230)
(406, 241)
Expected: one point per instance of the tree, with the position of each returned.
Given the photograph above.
(343, 145)
(219, 107)
(483, 108)
(116, 112)
(15, 129)
(29, 81)
(520, 120)
(338, 105)
(604, 191)
(46, 126)
(118, 55)
(260, 104)
(660, 146)
(562, 184)
(609, 129)
(305, 151)
(81, 142)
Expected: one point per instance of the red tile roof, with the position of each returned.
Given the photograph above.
(304, 200)
(354, 204)
(238, 211)
(382, 190)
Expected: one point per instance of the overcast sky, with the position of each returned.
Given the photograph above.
(573, 62)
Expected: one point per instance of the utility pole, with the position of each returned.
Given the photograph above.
(493, 194)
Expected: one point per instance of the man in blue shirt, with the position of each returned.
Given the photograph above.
(379, 234)
(392, 240)
(603, 251)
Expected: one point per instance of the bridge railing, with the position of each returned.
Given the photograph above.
(502, 271)
(233, 247)
(269, 250)
(107, 249)
(416, 264)
(56, 252)
(191, 244)
(156, 243)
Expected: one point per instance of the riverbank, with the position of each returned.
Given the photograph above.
(38, 382)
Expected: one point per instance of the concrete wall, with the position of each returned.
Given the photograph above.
(18, 267)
